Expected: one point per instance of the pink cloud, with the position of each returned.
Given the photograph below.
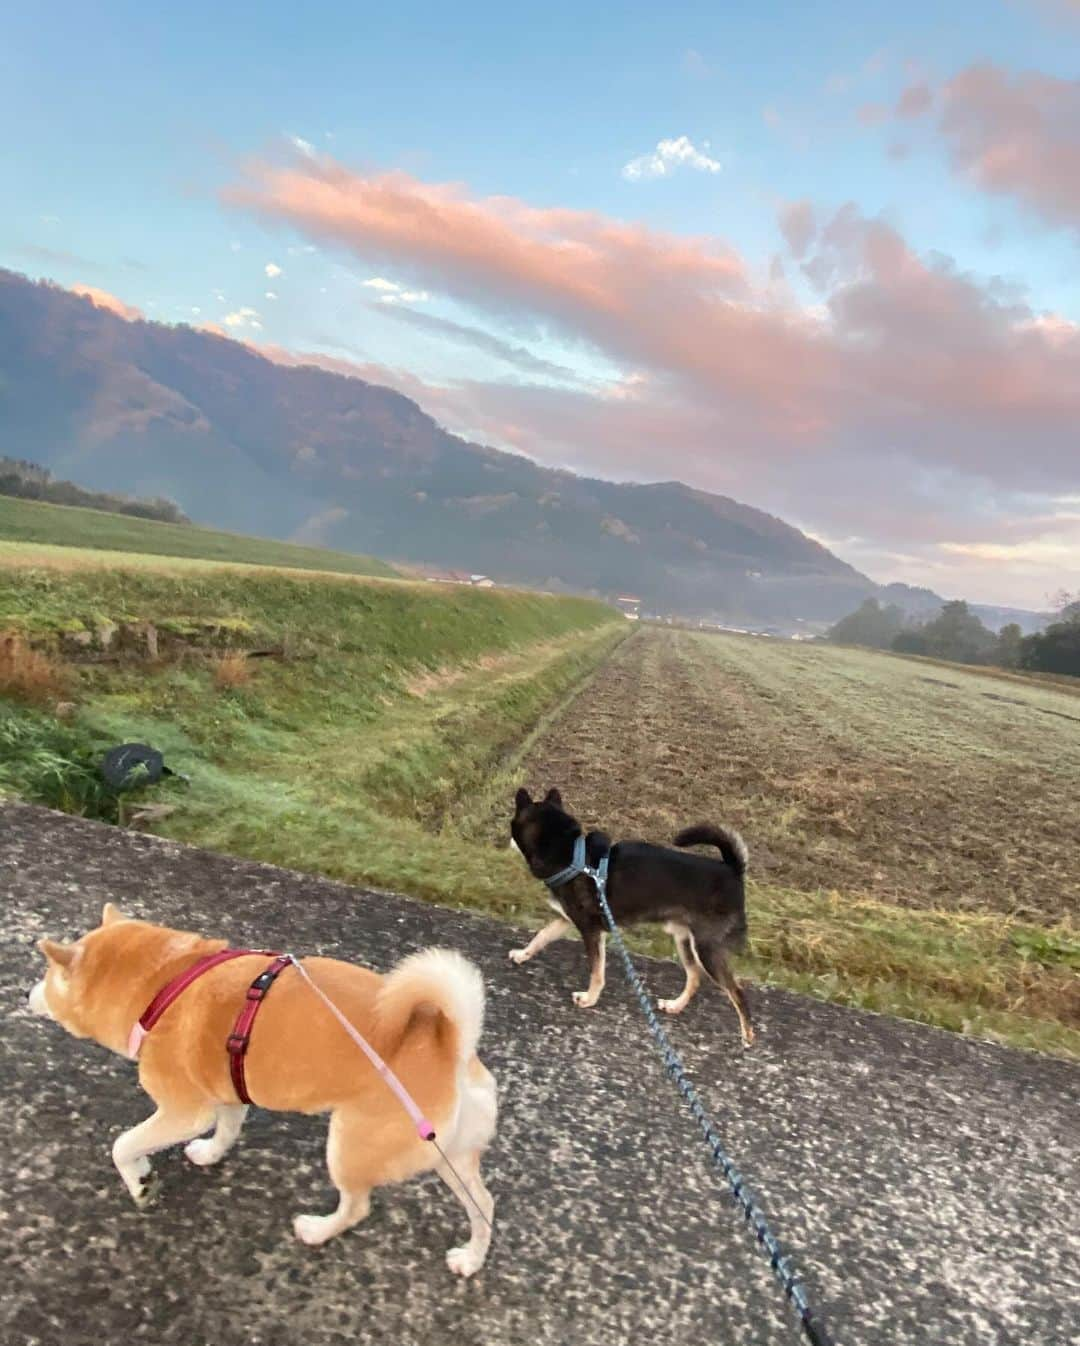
(908, 375)
(104, 300)
(873, 114)
(915, 100)
(1012, 135)
(798, 226)
(689, 309)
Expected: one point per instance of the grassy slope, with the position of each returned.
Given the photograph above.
(402, 703)
(30, 521)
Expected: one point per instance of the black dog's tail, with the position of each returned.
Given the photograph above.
(727, 841)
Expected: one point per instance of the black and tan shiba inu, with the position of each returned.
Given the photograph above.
(699, 899)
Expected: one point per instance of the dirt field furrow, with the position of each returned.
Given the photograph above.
(845, 771)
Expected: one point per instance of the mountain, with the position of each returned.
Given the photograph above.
(243, 443)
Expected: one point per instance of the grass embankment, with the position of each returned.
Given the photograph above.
(26, 525)
(912, 839)
(358, 754)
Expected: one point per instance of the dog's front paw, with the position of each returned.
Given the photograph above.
(313, 1229)
(149, 1192)
(672, 1006)
(585, 999)
(140, 1181)
(465, 1261)
(519, 956)
(204, 1151)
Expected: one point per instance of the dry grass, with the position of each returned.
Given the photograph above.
(29, 675)
(912, 847)
(232, 670)
(63, 560)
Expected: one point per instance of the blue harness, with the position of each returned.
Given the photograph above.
(580, 865)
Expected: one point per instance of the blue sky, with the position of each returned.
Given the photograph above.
(131, 123)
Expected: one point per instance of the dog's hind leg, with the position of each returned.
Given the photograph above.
(211, 1149)
(166, 1127)
(468, 1186)
(684, 947)
(551, 932)
(710, 951)
(344, 1142)
(464, 1146)
(596, 952)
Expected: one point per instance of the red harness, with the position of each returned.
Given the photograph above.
(236, 1044)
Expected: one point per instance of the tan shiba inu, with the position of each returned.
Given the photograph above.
(424, 1019)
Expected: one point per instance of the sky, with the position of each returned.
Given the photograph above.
(823, 259)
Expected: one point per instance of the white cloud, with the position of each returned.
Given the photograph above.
(243, 317)
(306, 148)
(272, 269)
(390, 292)
(306, 250)
(667, 157)
(406, 297)
(270, 294)
(196, 310)
(1040, 550)
(236, 247)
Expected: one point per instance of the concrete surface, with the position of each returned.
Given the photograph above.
(928, 1186)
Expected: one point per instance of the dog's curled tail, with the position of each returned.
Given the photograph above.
(438, 987)
(727, 841)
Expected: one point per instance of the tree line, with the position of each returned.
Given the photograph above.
(30, 481)
(958, 635)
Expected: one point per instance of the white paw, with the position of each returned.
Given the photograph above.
(671, 1006)
(139, 1180)
(313, 1229)
(204, 1151)
(465, 1261)
(585, 999)
(148, 1193)
(519, 956)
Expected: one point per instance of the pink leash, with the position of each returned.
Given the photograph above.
(424, 1129)
(170, 993)
(175, 989)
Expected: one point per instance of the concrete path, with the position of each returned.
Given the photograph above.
(928, 1186)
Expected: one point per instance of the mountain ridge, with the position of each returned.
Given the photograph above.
(298, 451)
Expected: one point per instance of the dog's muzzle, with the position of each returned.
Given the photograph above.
(37, 1002)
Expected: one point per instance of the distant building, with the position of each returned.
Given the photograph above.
(629, 606)
(460, 577)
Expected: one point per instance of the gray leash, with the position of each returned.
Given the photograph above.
(783, 1268)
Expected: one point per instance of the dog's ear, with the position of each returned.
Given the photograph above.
(63, 955)
(109, 914)
(522, 800)
(553, 797)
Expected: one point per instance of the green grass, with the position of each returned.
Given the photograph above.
(385, 750)
(359, 756)
(33, 522)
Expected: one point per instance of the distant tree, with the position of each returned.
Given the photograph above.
(958, 635)
(28, 481)
(1007, 651)
(870, 624)
(1057, 649)
(911, 642)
